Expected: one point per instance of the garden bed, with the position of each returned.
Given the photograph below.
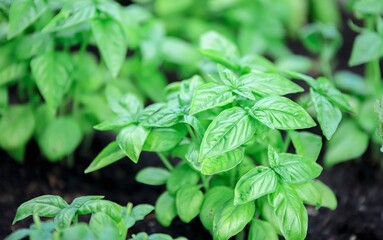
(357, 186)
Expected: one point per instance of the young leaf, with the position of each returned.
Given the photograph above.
(255, 184)
(309, 193)
(347, 143)
(213, 202)
(329, 116)
(165, 209)
(74, 13)
(229, 130)
(281, 113)
(79, 231)
(163, 139)
(262, 230)
(367, 47)
(16, 126)
(295, 169)
(107, 156)
(114, 123)
(44, 206)
(291, 214)
(327, 195)
(153, 176)
(111, 42)
(93, 205)
(268, 84)
(222, 162)
(188, 202)
(140, 211)
(60, 138)
(103, 226)
(51, 72)
(219, 49)
(306, 144)
(210, 95)
(23, 13)
(131, 140)
(232, 219)
(182, 175)
(64, 218)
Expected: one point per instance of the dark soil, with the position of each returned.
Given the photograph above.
(358, 188)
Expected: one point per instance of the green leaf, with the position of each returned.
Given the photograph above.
(94, 205)
(165, 209)
(114, 123)
(107, 156)
(181, 175)
(306, 144)
(163, 139)
(255, 184)
(34, 44)
(351, 82)
(131, 139)
(103, 226)
(348, 142)
(60, 138)
(23, 13)
(326, 88)
(164, 117)
(232, 219)
(195, 124)
(281, 113)
(140, 211)
(210, 95)
(79, 231)
(18, 234)
(51, 72)
(188, 202)
(368, 7)
(219, 49)
(64, 218)
(328, 196)
(329, 116)
(295, 169)
(12, 72)
(309, 193)
(153, 176)
(111, 42)
(222, 163)
(178, 51)
(44, 206)
(213, 202)
(74, 13)
(167, 7)
(229, 130)
(262, 230)
(16, 126)
(367, 47)
(131, 105)
(268, 84)
(291, 214)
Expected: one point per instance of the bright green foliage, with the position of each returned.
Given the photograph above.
(226, 131)
(108, 220)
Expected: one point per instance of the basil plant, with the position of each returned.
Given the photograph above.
(108, 219)
(224, 137)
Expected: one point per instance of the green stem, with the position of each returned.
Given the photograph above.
(286, 143)
(192, 134)
(75, 219)
(372, 69)
(37, 221)
(165, 160)
(205, 182)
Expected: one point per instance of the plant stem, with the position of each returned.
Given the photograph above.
(165, 160)
(37, 221)
(192, 134)
(372, 69)
(205, 182)
(286, 143)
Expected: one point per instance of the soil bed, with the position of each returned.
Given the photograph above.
(358, 188)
